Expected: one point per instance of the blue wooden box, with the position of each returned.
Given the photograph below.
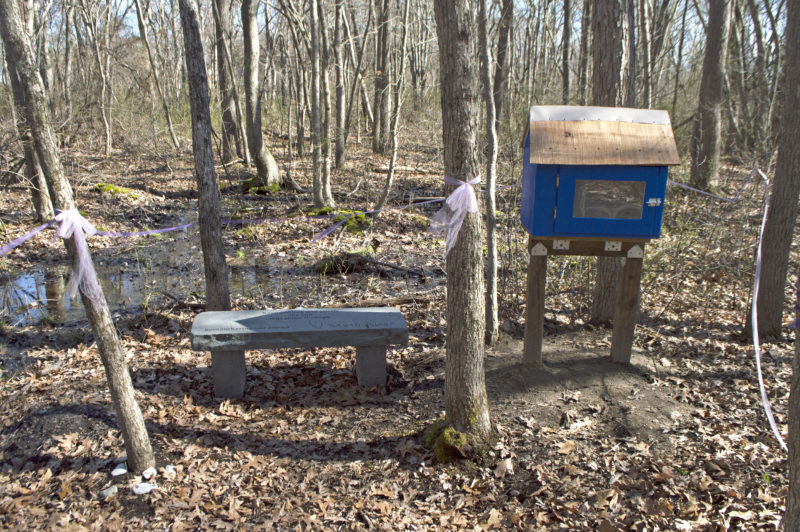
(595, 172)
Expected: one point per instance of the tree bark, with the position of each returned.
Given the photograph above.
(230, 132)
(338, 59)
(380, 139)
(791, 518)
(397, 103)
(706, 138)
(607, 43)
(266, 167)
(777, 239)
(492, 316)
(500, 83)
(566, 36)
(318, 189)
(134, 431)
(140, 17)
(215, 267)
(325, 104)
(466, 403)
(36, 183)
(583, 59)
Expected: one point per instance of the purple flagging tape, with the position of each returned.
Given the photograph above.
(754, 308)
(6, 249)
(709, 194)
(754, 320)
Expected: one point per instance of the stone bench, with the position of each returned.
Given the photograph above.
(227, 334)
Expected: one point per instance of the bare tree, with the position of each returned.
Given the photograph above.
(566, 36)
(607, 52)
(266, 167)
(466, 403)
(707, 134)
(583, 54)
(321, 189)
(381, 134)
(492, 315)
(503, 60)
(140, 17)
(338, 59)
(134, 431)
(230, 131)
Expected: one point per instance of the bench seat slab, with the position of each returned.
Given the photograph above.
(265, 329)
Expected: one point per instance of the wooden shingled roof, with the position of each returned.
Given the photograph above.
(562, 134)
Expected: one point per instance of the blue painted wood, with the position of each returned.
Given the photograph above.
(548, 196)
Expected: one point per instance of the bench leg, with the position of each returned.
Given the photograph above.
(229, 373)
(371, 365)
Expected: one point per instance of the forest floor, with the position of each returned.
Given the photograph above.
(676, 441)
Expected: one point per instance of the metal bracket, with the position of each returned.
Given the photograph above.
(612, 245)
(561, 244)
(539, 250)
(636, 252)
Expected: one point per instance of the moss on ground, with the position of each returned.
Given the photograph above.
(107, 188)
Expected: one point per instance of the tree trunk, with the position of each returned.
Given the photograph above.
(215, 268)
(583, 59)
(398, 101)
(266, 167)
(338, 59)
(466, 403)
(501, 66)
(140, 16)
(492, 317)
(318, 192)
(230, 132)
(380, 140)
(706, 138)
(606, 91)
(565, 46)
(791, 519)
(325, 103)
(679, 64)
(785, 190)
(36, 183)
(134, 431)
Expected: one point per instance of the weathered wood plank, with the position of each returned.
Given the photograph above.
(534, 317)
(625, 311)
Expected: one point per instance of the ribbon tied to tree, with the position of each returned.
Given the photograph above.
(73, 225)
(450, 217)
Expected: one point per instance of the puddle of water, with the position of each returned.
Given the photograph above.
(173, 267)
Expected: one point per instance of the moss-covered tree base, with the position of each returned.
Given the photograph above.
(449, 444)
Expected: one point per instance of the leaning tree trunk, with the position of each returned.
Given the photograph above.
(785, 189)
(492, 316)
(706, 139)
(267, 168)
(607, 42)
(134, 431)
(36, 183)
(215, 268)
(466, 404)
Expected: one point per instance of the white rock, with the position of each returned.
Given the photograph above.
(149, 473)
(143, 488)
(109, 492)
(121, 469)
(170, 471)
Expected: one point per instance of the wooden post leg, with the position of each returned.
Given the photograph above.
(625, 310)
(534, 300)
(229, 373)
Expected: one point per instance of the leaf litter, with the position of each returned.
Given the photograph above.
(676, 441)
